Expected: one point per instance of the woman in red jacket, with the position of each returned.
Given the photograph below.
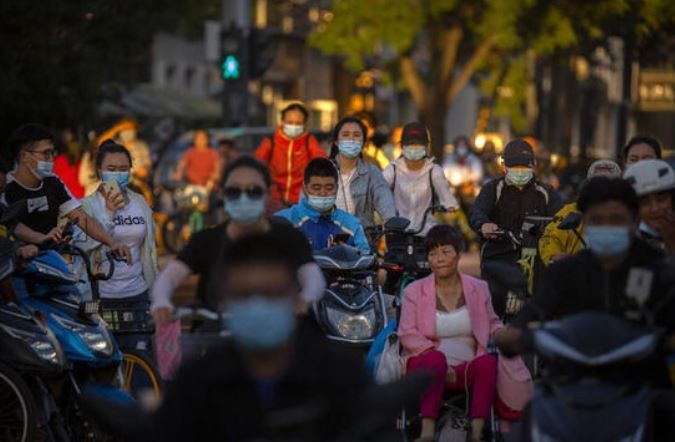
(288, 152)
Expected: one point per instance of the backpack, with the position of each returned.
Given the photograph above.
(434, 196)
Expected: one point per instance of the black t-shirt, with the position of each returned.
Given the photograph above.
(46, 203)
(204, 251)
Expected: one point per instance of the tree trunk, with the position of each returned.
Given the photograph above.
(433, 116)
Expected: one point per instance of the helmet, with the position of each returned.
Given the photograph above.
(650, 176)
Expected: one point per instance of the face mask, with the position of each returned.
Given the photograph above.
(519, 177)
(43, 170)
(261, 323)
(122, 178)
(607, 241)
(462, 151)
(414, 153)
(321, 203)
(293, 130)
(245, 210)
(350, 148)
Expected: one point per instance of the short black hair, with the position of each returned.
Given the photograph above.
(297, 107)
(444, 235)
(321, 167)
(27, 134)
(601, 189)
(652, 142)
(109, 146)
(368, 117)
(248, 162)
(264, 248)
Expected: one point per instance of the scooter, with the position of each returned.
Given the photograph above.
(352, 310)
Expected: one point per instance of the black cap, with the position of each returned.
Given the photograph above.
(518, 152)
(414, 133)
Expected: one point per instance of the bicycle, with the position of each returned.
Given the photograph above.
(187, 219)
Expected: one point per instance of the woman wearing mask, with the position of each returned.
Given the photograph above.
(416, 181)
(127, 218)
(362, 190)
(246, 191)
(288, 152)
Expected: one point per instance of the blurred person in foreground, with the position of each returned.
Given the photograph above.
(555, 244)
(277, 378)
(288, 152)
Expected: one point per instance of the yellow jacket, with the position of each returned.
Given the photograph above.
(373, 154)
(554, 240)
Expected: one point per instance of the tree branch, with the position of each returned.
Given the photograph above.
(414, 81)
(470, 68)
(450, 41)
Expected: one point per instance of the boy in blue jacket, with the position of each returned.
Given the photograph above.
(316, 215)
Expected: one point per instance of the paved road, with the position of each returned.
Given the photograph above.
(469, 263)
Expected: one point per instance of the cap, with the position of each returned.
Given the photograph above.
(606, 168)
(414, 133)
(518, 152)
(650, 176)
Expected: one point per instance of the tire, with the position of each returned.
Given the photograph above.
(172, 233)
(18, 411)
(139, 373)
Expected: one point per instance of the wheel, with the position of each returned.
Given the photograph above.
(173, 233)
(17, 408)
(139, 374)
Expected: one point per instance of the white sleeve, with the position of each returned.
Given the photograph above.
(312, 282)
(388, 174)
(166, 283)
(442, 188)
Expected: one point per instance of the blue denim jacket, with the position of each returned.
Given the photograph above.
(321, 229)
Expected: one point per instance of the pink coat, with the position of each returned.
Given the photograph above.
(417, 332)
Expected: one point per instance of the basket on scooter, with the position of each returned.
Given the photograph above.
(407, 251)
(123, 316)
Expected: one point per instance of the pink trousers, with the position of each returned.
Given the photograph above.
(478, 375)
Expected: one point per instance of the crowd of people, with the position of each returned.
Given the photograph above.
(292, 198)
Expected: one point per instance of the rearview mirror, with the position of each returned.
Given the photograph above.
(397, 224)
(507, 275)
(12, 216)
(571, 221)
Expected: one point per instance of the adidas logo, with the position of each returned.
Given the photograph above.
(128, 221)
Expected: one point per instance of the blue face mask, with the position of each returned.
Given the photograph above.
(350, 148)
(245, 210)
(261, 323)
(415, 152)
(519, 177)
(122, 178)
(607, 241)
(321, 203)
(293, 130)
(43, 169)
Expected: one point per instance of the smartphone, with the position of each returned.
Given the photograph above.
(109, 186)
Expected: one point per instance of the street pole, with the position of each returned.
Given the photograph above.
(627, 82)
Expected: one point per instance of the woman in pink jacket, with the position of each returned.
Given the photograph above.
(446, 322)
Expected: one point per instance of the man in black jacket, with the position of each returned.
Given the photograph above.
(278, 378)
(503, 204)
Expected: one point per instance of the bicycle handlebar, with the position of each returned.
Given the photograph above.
(197, 313)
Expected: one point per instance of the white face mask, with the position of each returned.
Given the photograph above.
(293, 130)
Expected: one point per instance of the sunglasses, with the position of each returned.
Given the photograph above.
(252, 192)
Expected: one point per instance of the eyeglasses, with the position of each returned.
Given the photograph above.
(50, 153)
(234, 193)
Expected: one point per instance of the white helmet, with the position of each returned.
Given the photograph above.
(650, 176)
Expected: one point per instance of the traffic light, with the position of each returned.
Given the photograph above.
(262, 49)
(230, 68)
(232, 54)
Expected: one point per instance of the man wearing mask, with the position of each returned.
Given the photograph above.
(246, 189)
(503, 203)
(316, 215)
(288, 152)
(47, 198)
(277, 378)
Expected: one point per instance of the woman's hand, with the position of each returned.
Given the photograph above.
(451, 377)
(114, 200)
(121, 250)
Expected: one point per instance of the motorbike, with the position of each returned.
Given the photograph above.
(192, 203)
(352, 310)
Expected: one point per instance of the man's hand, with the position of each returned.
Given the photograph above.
(27, 252)
(162, 315)
(487, 229)
(121, 250)
(55, 235)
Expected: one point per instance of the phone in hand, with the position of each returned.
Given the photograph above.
(109, 186)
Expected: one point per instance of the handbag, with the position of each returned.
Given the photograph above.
(389, 367)
(167, 348)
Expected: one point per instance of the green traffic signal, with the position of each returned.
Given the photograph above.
(230, 68)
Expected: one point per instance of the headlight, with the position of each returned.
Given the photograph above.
(354, 326)
(97, 341)
(41, 345)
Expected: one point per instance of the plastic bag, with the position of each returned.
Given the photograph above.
(167, 348)
(389, 366)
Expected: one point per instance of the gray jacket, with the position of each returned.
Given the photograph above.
(370, 193)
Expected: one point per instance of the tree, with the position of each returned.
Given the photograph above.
(438, 46)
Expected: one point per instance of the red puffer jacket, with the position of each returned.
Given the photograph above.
(287, 159)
